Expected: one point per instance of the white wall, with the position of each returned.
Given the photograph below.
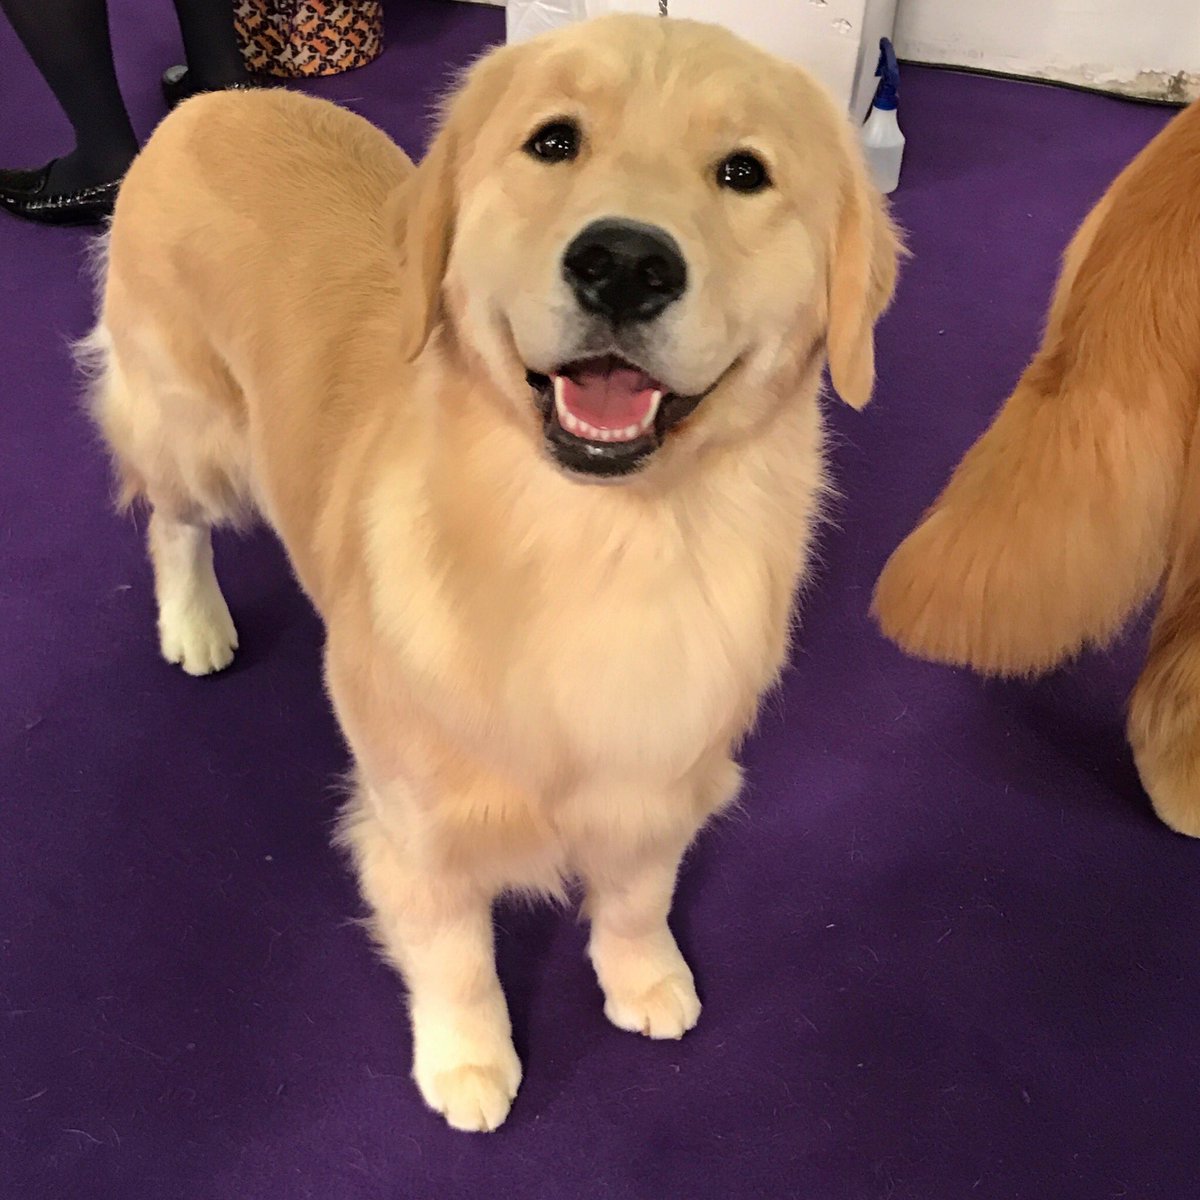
(1144, 47)
(837, 40)
(1149, 47)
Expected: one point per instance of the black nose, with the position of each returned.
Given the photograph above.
(625, 271)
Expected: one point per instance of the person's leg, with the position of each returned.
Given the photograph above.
(214, 58)
(68, 41)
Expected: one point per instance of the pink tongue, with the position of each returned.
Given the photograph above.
(608, 399)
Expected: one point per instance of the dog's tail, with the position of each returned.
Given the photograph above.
(104, 386)
(1055, 526)
(104, 403)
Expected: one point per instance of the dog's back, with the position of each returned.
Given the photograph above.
(241, 202)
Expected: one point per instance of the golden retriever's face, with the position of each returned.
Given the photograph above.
(643, 223)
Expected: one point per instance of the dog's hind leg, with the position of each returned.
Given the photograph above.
(1164, 713)
(195, 628)
(176, 433)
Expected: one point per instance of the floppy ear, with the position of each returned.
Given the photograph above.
(862, 277)
(425, 209)
(425, 212)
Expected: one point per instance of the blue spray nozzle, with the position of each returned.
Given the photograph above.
(888, 72)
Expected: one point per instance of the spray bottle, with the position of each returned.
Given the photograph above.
(881, 136)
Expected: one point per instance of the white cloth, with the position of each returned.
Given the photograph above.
(528, 18)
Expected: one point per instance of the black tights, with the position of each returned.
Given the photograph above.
(68, 41)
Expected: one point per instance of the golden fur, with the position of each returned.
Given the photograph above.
(1063, 517)
(539, 678)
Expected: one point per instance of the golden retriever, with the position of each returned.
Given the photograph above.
(622, 262)
(1064, 516)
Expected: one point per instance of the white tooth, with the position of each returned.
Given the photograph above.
(559, 402)
(631, 431)
(568, 421)
(655, 401)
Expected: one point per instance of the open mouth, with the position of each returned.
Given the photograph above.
(605, 416)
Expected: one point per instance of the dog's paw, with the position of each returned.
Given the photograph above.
(198, 635)
(473, 1097)
(668, 1009)
(648, 987)
(464, 1063)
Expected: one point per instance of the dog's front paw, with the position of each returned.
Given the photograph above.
(648, 987)
(198, 635)
(667, 1010)
(470, 1078)
(474, 1099)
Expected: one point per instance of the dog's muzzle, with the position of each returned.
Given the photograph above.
(604, 415)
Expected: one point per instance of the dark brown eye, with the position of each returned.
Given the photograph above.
(556, 142)
(743, 172)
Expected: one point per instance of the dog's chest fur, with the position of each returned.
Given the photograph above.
(602, 635)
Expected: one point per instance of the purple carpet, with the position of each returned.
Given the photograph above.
(946, 953)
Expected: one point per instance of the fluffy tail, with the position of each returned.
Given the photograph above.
(106, 401)
(1051, 532)
(1056, 525)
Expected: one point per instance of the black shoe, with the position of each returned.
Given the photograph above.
(178, 86)
(24, 194)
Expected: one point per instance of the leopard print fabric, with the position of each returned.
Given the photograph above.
(290, 38)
